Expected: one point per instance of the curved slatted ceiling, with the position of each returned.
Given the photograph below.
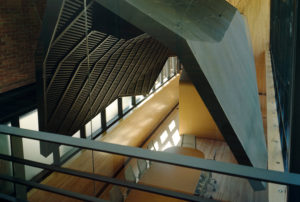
(84, 74)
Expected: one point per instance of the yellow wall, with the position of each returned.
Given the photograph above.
(194, 118)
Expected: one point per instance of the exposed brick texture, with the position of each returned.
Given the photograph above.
(20, 22)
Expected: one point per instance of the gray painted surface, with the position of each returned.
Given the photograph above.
(229, 68)
(211, 41)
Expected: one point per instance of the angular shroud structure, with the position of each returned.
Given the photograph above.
(210, 38)
(86, 58)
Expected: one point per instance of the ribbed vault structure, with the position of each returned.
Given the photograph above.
(93, 58)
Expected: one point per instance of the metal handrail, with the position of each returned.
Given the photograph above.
(168, 158)
(102, 178)
(49, 189)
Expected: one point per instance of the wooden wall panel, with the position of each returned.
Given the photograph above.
(257, 13)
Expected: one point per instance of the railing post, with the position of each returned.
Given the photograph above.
(103, 119)
(18, 169)
(120, 107)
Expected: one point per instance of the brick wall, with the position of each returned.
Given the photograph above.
(20, 22)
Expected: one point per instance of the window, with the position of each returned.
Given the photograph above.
(139, 98)
(112, 111)
(63, 149)
(88, 129)
(76, 135)
(30, 121)
(172, 67)
(158, 81)
(32, 147)
(127, 103)
(96, 123)
(165, 71)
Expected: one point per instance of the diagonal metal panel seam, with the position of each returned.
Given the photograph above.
(139, 58)
(65, 58)
(79, 78)
(148, 50)
(160, 54)
(61, 47)
(48, 30)
(86, 85)
(73, 77)
(139, 13)
(127, 65)
(108, 68)
(114, 48)
(72, 23)
(155, 73)
(117, 80)
(108, 84)
(138, 45)
(145, 63)
(60, 78)
(72, 8)
(150, 63)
